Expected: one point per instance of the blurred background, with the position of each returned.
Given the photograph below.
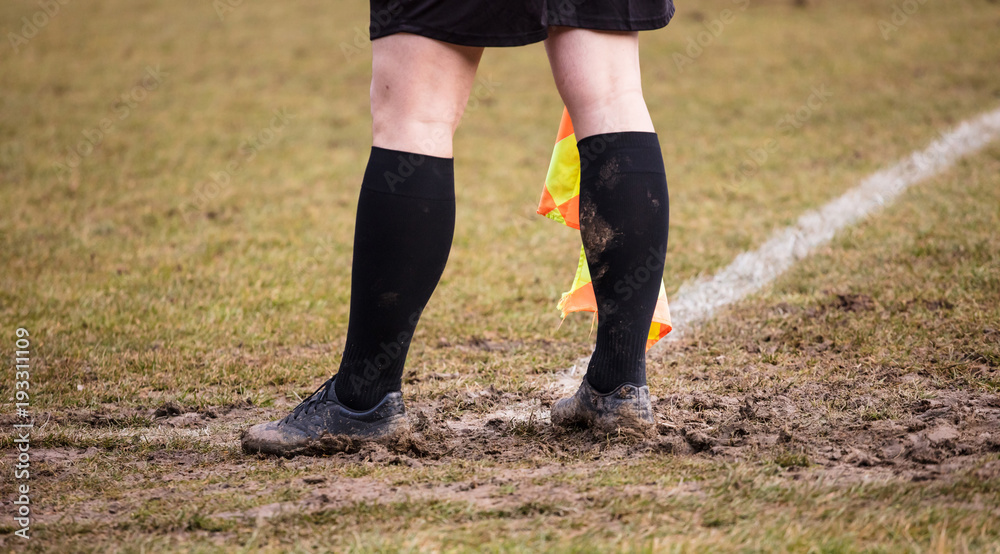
(178, 182)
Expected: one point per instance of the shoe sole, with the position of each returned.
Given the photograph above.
(389, 432)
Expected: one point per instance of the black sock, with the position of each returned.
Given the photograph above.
(402, 237)
(624, 213)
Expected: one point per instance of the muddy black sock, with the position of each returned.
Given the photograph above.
(624, 213)
(402, 236)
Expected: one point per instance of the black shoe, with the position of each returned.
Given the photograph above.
(322, 415)
(628, 406)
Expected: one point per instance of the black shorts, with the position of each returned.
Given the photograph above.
(512, 22)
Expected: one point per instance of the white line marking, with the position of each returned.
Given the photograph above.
(698, 299)
(750, 271)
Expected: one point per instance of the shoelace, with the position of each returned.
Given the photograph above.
(310, 403)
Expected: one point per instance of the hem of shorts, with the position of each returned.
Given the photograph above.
(598, 24)
(465, 40)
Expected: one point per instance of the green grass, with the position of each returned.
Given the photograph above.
(141, 282)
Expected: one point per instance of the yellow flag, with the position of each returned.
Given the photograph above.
(561, 202)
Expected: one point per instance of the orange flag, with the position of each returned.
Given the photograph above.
(561, 202)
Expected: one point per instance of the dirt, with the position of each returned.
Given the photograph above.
(955, 427)
(515, 490)
(599, 234)
(853, 302)
(794, 427)
(511, 427)
(610, 173)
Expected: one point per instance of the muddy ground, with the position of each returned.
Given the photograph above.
(807, 428)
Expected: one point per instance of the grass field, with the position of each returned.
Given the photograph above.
(178, 183)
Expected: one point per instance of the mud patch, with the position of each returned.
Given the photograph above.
(62, 456)
(512, 492)
(525, 465)
(597, 236)
(610, 173)
(828, 425)
(853, 302)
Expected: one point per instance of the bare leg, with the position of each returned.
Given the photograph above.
(597, 74)
(419, 91)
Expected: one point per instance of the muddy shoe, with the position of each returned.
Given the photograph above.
(322, 416)
(628, 406)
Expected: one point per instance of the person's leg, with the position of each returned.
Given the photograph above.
(406, 213)
(419, 91)
(597, 74)
(402, 237)
(623, 196)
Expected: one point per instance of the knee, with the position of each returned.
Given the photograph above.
(413, 124)
(609, 111)
(399, 109)
(602, 95)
